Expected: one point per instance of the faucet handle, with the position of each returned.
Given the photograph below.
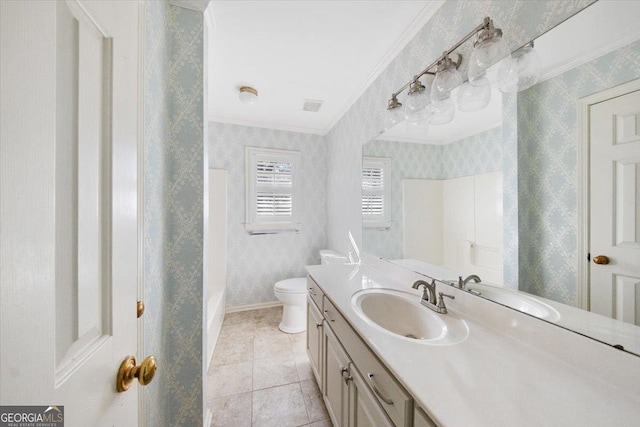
(441, 305)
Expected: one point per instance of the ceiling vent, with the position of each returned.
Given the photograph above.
(312, 105)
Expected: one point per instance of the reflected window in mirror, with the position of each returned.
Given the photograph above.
(376, 192)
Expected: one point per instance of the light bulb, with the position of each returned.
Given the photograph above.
(447, 79)
(473, 98)
(526, 70)
(490, 58)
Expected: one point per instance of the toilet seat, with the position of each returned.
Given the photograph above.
(297, 285)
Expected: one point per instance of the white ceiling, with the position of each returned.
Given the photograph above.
(295, 50)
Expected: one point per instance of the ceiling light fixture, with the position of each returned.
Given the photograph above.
(248, 95)
(490, 62)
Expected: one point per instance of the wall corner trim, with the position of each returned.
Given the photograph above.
(197, 5)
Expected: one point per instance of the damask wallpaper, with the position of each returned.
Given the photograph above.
(364, 119)
(548, 132)
(256, 262)
(480, 153)
(173, 173)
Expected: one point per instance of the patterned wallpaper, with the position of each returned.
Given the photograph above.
(173, 212)
(256, 262)
(156, 130)
(364, 119)
(480, 153)
(547, 123)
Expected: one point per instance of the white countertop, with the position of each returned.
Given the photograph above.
(511, 370)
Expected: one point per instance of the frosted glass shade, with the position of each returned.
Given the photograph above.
(526, 71)
(417, 101)
(474, 98)
(490, 62)
(394, 116)
(442, 112)
(446, 80)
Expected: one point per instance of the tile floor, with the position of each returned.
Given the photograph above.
(261, 376)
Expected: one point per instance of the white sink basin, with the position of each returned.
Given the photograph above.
(518, 301)
(401, 314)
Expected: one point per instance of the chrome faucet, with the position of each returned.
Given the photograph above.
(429, 298)
(462, 283)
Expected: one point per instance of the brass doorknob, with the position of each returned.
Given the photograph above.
(601, 259)
(129, 371)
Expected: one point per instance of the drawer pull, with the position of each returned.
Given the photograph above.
(311, 292)
(319, 325)
(326, 315)
(376, 391)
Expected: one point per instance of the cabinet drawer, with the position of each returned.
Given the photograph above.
(314, 292)
(396, 402)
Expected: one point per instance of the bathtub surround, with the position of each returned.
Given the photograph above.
(548, 170)
(173, 173)
(256, 262)
(476, 154)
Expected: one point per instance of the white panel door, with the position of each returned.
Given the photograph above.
(422, 220)
(615, 207)
(68, 224)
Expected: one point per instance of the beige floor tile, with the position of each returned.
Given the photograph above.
(239, 330)
(323, 423)
(279, 407)
(270, 344)
(274, 372)
(232, 349)
(232, 411)
(239, 317)
(299, 342)
(226, 380)
(269, 317)
(313, 401)
(303, 366)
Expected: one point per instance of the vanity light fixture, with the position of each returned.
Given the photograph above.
(395, 113)
(490, 62)
(248, 95)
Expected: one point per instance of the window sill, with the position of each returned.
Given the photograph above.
(378, 225)
(272, 228)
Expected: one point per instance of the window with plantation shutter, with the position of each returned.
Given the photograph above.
(272, 190)
(376, 192)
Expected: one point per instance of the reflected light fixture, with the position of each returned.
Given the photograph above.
(490, 60)
(248, 95)
(526, 70)
(473, 98)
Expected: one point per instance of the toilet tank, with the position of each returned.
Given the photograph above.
(327, 256)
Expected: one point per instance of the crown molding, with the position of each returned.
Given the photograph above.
(197, 5)
(254, 124)
(412, 30)
(209, 19)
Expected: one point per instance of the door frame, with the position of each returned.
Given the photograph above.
(140, 202)
(584, 146)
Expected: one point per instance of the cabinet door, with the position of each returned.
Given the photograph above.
(421, 419)
(314, 339)
(335, 388)
(365, 411)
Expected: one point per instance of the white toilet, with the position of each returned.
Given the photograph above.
(293, 295)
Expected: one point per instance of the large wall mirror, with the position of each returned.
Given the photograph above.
(577, 187)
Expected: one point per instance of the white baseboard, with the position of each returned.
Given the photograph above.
(208, 418)
(253, 306)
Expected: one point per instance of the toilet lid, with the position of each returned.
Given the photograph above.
(293, 286)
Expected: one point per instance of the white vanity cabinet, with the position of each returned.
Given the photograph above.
(356, 387)
(314, 338)
(335, 378)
